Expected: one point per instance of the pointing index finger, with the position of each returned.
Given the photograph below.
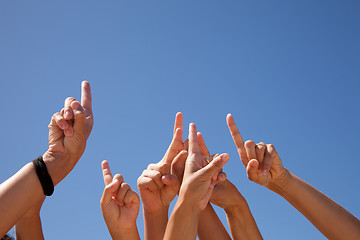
(193, 140)
(86, 100)
(238, 140)
(178, 121)
(174, 146)
(106, 172)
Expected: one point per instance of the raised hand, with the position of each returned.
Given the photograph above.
(68, 132)
(119, 206)
(199, 176)
(262, 162)
(157, 186)
(198, 182)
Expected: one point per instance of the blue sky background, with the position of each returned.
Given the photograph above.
(288, 71)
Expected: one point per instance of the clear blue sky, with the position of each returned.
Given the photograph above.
(288, 71)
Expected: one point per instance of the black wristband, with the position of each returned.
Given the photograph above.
(43, 175)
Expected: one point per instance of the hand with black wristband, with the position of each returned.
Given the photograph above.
(68, 133)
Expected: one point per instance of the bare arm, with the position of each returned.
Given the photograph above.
(327, 216)
(158, 186)
(241, 221)
(119, 206)
(264, 167)
(210, 226)
(29, 226)
(198, 182)
(67, 141)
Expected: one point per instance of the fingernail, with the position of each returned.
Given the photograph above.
(264, 172)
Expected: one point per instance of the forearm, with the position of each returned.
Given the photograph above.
(155, 224)
(29, 228)
(210, 226)
(241, 222)
(17, 195)
(183, 222)
(327, 216)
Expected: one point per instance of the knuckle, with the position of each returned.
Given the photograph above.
(158, 174)
(151, 166)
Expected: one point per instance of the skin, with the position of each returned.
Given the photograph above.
(67, 142)
(158, 186)
(241, 221)
(198, 183)
(210, 226)
(264, 167)
(29, 226)
(119, 206)
(156, 220)
(225, 195)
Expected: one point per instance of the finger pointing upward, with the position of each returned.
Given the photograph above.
(178, 121)
(193, 140)
(239, 142)
(106, 172)
(174, 146)
(86, 100)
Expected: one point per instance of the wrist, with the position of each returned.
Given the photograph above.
(188, 205)
(128, 233)
(238, 206)
(57, 164)
(233, 200)
(156, 211)
(281, 185)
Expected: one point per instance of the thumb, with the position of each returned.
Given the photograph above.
(214, 167)
(109, 190)
(172, 181)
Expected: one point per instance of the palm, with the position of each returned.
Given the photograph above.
(197, 162)
(123, 216)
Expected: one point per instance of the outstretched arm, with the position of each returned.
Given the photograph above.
(67, 140)
(264, 167)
